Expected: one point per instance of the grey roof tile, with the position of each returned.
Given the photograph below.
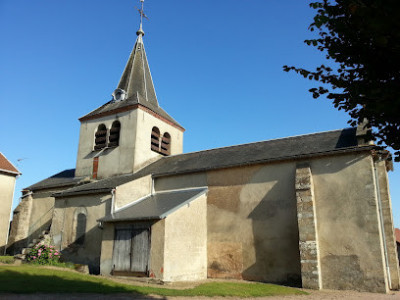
(64, 178)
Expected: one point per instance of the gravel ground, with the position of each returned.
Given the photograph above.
(323, 295)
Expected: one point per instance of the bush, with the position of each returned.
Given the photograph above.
(43, 255)
(7, 259)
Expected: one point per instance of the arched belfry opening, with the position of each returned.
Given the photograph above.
(166, 144)
(113, 140)
(155, 139)
(100, 140)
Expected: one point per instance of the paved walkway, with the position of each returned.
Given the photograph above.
(314, 295)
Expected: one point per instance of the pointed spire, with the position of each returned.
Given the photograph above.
(136, 79)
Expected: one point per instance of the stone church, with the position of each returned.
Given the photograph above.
(311, 210)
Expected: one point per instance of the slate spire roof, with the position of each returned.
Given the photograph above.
(137, 82)
(136, 79)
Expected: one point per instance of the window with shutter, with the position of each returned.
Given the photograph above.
(166, 144)
(155, 139)
(113, 140)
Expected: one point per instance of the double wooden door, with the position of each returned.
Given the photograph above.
(131, 253)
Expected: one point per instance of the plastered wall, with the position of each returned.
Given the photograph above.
(253, 229)
(41, 213)
(388, 224)
(145, 124)
(350, 242)
(251, 221)
(133, 151)
(185, 251)
(7, 185)
(63, 229)
(113, 161)
(131, 191)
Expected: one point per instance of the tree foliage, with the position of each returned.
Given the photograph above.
(362, 37)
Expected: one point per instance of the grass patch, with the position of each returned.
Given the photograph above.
(7, 259)
(58, 264)
(34, 279)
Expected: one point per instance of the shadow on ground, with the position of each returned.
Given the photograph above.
(24, 283)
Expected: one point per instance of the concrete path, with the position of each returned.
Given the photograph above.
(314, 295)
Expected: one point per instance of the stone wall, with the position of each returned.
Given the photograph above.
(308, 236)
(19, 233)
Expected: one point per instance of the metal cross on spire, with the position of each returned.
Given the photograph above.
(142, 15)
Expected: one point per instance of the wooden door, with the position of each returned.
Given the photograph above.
(131, 252)
(140, 250)
(122, 250)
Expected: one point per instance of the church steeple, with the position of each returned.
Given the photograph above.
(136, 78)
(131, 130)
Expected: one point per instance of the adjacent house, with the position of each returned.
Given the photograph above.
(8, 176)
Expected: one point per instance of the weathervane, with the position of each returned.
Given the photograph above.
(142, 15)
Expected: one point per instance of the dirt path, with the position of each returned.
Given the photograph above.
(314, 295)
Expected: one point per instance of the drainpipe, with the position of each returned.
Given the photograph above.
(152, 185)
(378, 191)
(112, 201)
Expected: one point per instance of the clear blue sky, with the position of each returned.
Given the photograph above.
(216, 65)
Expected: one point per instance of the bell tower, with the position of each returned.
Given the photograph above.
(130, 131)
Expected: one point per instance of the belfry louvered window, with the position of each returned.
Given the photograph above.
(155, 139)
(113, 140)
(100, 140)
(166, 144)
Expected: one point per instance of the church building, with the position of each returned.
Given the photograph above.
(311, 210)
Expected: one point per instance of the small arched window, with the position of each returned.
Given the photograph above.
(80, 229)
(100, 140)
(166, 144)
(113, 140)
(155, 139)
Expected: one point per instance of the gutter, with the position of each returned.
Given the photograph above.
(10, 172)
(84, 192)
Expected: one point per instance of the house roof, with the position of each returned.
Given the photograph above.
(7, 167)
(397, 234)
(63, 179)
(155, 207)
(298, 147)
(137, 82)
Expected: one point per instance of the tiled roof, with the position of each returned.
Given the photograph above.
(6, 166)
(397, 234)
(298, 147)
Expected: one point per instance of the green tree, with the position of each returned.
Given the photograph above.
(362, 37)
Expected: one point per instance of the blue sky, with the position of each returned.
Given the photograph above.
(216, 65)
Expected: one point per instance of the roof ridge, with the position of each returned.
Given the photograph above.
(251, 143)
